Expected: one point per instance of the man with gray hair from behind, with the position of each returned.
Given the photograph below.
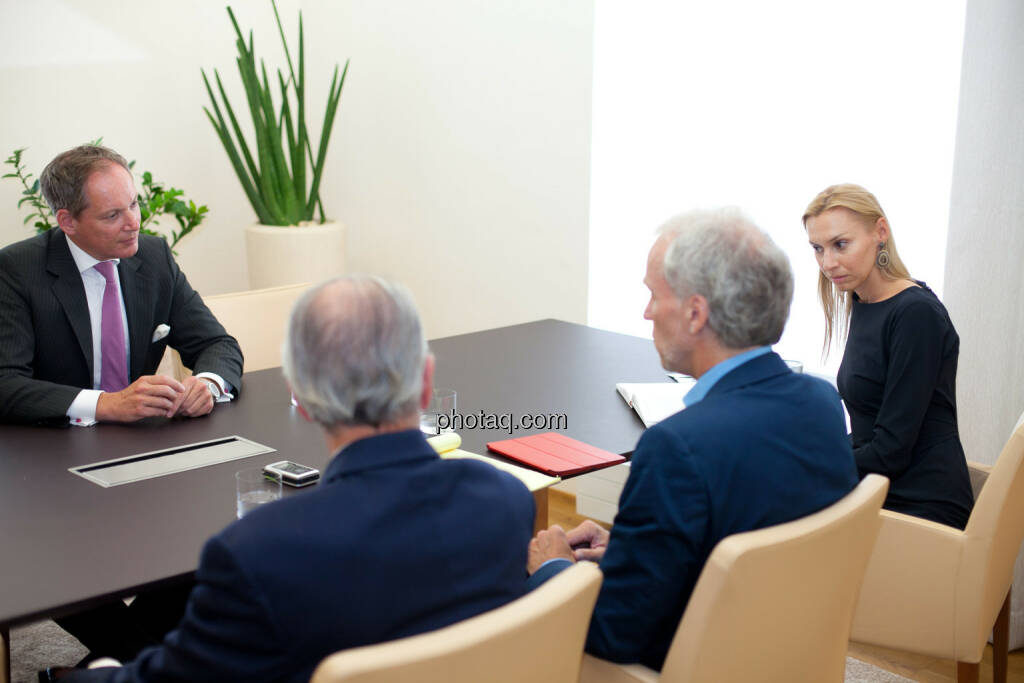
(394, 541)
(756, 444)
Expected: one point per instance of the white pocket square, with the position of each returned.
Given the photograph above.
(161, 331)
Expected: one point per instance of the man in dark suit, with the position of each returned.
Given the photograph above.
(86, 311)
(756, 445)
(394, 541)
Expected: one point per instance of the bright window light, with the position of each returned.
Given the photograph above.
(762, 105)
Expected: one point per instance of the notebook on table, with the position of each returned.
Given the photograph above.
(555, 454)
(654, 401)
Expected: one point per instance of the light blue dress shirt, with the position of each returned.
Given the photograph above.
(711, 377)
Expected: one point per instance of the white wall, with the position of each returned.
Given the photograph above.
(459, 162)
(985, 257)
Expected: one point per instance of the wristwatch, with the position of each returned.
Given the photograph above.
(212, 386)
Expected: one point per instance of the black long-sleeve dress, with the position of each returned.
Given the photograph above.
(898, 380)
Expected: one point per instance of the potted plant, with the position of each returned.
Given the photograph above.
(282, 178)
(155, 200)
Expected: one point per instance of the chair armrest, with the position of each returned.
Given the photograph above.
(980, 467)
(907, 598)
(597, 670)
(979, 475)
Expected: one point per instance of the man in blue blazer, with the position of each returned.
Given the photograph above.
(52, 296)
(756, 445)
(394, 541)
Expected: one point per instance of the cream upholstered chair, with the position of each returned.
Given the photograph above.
(256, 318)
(1002, 629)
(936, 590)
(1008, 631)
(772, 605)
(535, 639)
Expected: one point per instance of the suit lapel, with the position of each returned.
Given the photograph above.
(67, 287)
(137, 290)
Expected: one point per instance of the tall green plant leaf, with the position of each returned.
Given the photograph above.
(332, 107)
(277, 176)
(229, 147)
(250, 164)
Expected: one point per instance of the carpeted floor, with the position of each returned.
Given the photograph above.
(39, 645)
(862, 672)
(43, 644)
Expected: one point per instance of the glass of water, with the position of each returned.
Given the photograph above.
(255, 488)
(436, 419)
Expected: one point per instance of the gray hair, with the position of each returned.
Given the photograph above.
(746, 279)
(354, 352)
(63, 180)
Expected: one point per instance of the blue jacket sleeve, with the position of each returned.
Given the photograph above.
(654, 555)
(546, 571)
(227, 633)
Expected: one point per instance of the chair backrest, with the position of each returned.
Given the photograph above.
(991, 541)
(776, 604)
(257, 319)
(537, 638)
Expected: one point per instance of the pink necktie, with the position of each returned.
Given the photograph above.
(114, 369)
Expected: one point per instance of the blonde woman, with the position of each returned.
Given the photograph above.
(898, 375)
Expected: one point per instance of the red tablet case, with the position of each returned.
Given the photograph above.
(553, 453)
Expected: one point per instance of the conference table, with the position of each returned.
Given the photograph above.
(69, 544)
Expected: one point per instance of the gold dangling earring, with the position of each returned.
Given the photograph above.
(882, 260)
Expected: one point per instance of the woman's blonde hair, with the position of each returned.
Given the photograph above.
(835, 303)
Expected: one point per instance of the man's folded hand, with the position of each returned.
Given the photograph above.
(148, 396)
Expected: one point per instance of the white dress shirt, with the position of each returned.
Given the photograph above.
(82, 410)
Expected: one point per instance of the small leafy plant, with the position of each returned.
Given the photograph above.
(31, 194)
(155, 200)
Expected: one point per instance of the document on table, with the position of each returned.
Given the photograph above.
(447, 446)
(654, 401)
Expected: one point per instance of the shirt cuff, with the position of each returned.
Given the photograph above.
(82, 411)
(553, 559)
(103, 662)
(225, 387)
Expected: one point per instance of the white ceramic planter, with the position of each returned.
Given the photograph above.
(288, 255)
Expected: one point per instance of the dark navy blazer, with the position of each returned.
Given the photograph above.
(394, 541)
(765, 446)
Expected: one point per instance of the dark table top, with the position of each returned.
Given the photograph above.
(68, 543)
